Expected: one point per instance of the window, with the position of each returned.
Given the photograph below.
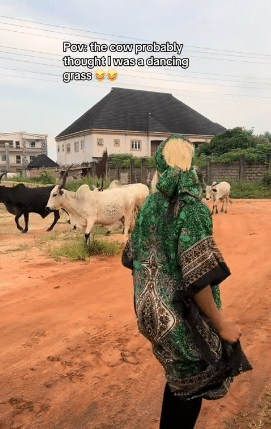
(68, 148)
(58, 148)
(82, 144)
(63, 148)
(116, 143)
(32, 144)
(4, 158)
(17, 144)
(18, 159)
(76, 146)
(100, 142)
(32, 157)
(135, 144)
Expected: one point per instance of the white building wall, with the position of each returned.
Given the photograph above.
(80, 150)
(22, 144)
(93, 150)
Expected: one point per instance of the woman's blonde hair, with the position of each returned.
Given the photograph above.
(178, 153)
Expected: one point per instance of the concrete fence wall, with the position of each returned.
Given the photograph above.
(238, 170)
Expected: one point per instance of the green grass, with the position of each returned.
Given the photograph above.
(243, 189)
(72, 246)
(73, 185)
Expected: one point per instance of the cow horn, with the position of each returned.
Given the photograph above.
(1, 175)
(64, 178)
(203, 181)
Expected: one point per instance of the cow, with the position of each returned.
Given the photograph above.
(218, 192)
(138, 190)
(87, 208)
(154, 182)
(21, 200)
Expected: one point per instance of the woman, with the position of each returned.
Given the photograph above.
(176, 271)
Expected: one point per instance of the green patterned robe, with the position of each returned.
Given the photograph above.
(173, 256)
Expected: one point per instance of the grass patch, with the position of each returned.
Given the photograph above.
(104, 248)
(243, 189)
(246, 189)
(259, 418)
(72, 246)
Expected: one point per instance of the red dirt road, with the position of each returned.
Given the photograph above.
(71, 356)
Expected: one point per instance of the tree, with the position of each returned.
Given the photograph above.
(236, 138)
(267, 135)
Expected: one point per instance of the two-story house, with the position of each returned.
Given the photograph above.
(17, 150)
(131, 121)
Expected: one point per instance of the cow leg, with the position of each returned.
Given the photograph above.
(26, 218)
(17, 222)
(90, 224)
(56, 217)
(226, 204)
(128, 222)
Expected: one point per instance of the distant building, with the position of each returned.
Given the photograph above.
(17, 150)
(131, 121)
(40, 163)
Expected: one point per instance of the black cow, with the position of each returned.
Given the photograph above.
(21, 200)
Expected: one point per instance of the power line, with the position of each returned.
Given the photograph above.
(28, 55)
(89, 37)
(194, 56)
(29, 71)
(125, 74)
(29, 50)
(153, 87)
(145, 71)
(31, 62)
(124, 37)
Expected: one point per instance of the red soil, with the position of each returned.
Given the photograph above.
(71, 356)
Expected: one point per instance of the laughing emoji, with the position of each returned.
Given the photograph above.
(112, 75)
(100, 75)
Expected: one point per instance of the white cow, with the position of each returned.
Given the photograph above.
(218, 192)
(87, 208)
(154, 182)
(138, 190)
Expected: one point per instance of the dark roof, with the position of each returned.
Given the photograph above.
(134, 110)
(42, 161)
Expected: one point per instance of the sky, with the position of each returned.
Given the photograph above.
(223, 72)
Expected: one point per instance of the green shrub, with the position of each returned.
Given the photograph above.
(236, 138)
(46, 177)
(246, 189)
(150, 162)
(73, 185)
(266, 179)
(125, 161)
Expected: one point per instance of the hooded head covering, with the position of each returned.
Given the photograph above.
(177, 182)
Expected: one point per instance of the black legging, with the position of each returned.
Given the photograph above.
(179, 413)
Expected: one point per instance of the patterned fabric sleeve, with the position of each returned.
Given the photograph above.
(128, 255)
(201, 261)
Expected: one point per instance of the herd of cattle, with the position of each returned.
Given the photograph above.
(86, 207)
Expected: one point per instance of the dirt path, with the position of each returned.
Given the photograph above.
(71, 356)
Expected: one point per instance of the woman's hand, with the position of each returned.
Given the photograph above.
(229, 332)
(226, 330)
